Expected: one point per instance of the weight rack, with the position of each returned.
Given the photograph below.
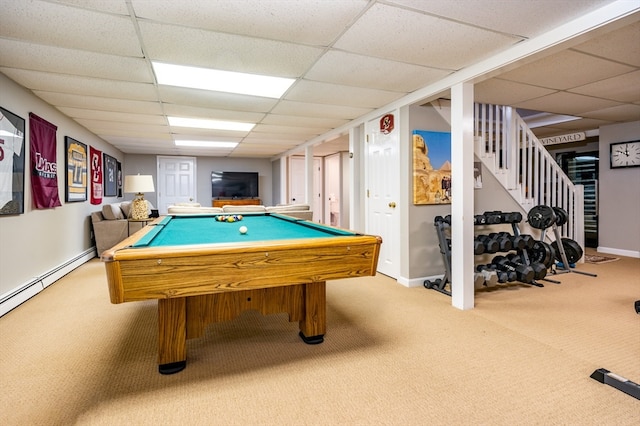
(485, 277)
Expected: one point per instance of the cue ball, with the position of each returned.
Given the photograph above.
(243, 229)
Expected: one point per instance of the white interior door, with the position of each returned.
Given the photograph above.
(382, 166)
(297, 184)
(176, 182)
(333, 193)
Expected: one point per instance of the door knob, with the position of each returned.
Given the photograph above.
(392, 204)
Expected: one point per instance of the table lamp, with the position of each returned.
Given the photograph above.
(138, 184)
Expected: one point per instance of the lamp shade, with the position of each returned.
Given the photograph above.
(138, 184)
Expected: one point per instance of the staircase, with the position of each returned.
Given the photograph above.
(508, 148)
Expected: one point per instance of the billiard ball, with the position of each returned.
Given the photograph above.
(243, 229)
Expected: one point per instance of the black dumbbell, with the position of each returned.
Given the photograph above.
(491, 245)
(512, 217)
(479, 219)
(529, 240)
(539, 270)
(524, 273)
(504, 239)
(493, 217)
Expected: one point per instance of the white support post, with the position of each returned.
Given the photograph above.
(462, 206)
(308, 175)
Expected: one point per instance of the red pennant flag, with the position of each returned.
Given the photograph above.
(44, 169)
(96, 176)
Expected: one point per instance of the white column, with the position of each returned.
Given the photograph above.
(462, 258)
(308, 175)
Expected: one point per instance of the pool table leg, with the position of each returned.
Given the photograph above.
(172, 335)
(314, 324)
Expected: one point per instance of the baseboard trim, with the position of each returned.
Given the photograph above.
(417, 282)
(619, 252)
(26, 291)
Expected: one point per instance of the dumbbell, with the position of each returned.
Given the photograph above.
(528, 240)
(504, 239)
(491, 245)
(478, 247)
(512, 217)
(490, 277)
(503, 276)
(493, 217)
(524, 273)
(539, 270)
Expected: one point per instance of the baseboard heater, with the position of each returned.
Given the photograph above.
(29, 289)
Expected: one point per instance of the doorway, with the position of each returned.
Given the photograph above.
(176, 181)
(582, 169)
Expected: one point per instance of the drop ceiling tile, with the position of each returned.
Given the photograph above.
(503, 92)
(333, 94)
(623, 88)
(215, 100)
(559, 71)
(38, 57)
(307, 22)
(110, 6)
(525, 18)
(100, 104)
(213, 114)
(566, 103)
(298, 121)
(37, 80)
(416, 38)
(581, 124)
(616, 46)
(116, 128)
(307, 109)
(122, 117)
(364, 71)
(619, 113)
(58, 25)
(303, 132)
(189, 46)
(274, 138)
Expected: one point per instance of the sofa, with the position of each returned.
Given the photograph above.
(110, 225)
(300, 211)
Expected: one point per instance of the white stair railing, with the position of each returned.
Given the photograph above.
(510, 150)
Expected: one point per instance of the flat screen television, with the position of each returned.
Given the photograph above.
(233, 185)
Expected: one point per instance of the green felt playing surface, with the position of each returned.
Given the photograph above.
(186, 230)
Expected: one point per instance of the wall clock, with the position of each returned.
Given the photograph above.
(625, 154)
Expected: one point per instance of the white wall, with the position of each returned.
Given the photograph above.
(39, 240)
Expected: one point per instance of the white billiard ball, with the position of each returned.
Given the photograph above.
(243, 229)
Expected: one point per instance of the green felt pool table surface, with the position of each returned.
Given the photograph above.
(187, 230)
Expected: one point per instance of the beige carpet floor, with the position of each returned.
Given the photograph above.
(392, 356)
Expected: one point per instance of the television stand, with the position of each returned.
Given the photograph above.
(236, 202)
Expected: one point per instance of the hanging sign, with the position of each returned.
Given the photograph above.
(555, 140)
(386, 124)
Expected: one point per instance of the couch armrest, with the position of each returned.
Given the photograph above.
(108, 233)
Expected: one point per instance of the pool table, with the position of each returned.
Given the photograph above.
(203, 270)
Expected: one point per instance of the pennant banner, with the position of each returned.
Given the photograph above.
(44, 169)
(96, 176)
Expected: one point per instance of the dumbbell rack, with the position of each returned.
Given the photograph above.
(486, 277)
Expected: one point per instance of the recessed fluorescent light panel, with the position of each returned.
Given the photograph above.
(206, 144)
(221, 81)
(200, 123)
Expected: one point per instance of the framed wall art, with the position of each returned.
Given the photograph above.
(12, 159)
(431, 167)
(110, 176)
(76, 166)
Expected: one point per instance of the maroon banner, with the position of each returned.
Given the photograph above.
(44, 169)
(96, 176)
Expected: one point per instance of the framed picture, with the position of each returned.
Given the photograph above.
(12, 159)
(110, 176)
(119, 179)
(76, 163)
(431, 167)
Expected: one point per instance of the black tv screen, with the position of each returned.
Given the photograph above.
(234, 185)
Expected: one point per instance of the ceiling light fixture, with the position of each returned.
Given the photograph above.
(221, 81)
(206, 144)
(202, 123)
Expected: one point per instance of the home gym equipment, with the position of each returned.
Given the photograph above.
(541, 252)
(568, 252)
(625, 385)
(507, 268)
